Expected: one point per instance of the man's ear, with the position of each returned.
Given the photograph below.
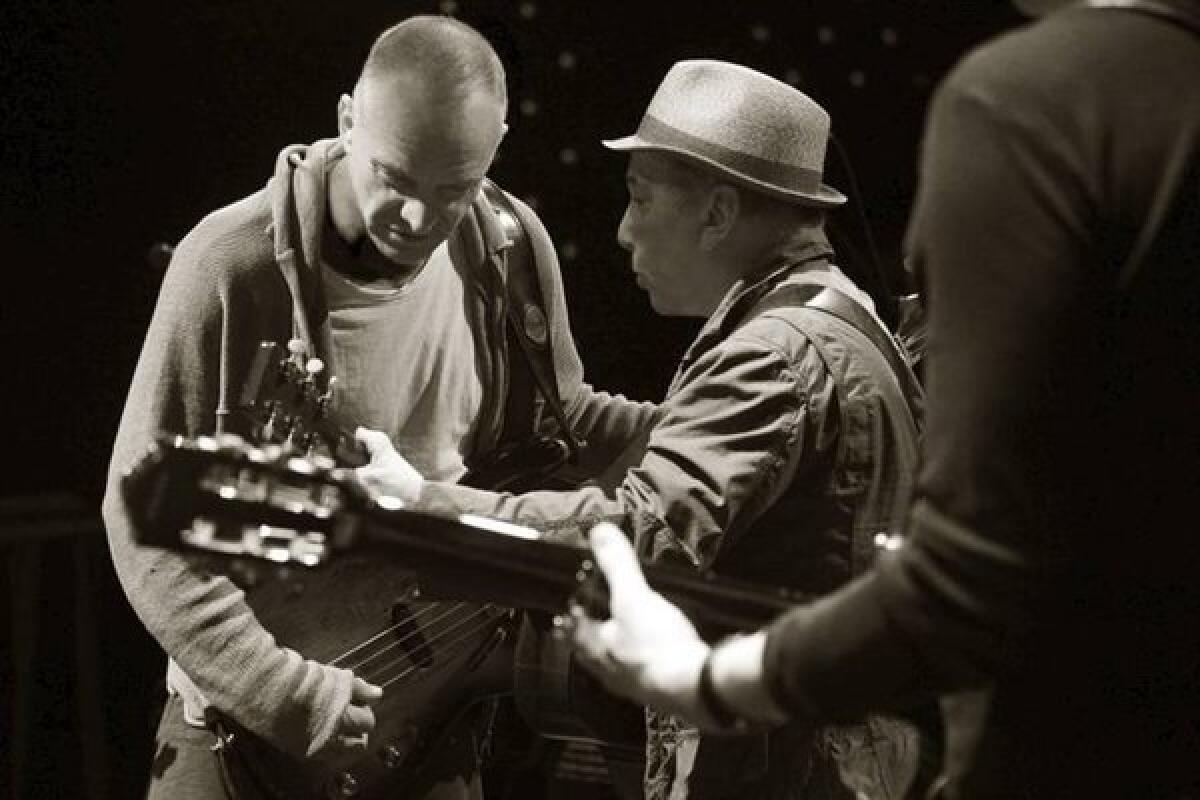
(500, 141)
(720, 215)
(345, 116)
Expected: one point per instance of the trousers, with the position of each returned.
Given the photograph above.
(186, 766)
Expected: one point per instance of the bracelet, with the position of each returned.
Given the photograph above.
(713, 706)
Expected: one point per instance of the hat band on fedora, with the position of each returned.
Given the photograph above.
(784, 176)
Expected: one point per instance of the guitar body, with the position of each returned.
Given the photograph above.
(437, 661)
(561, 700)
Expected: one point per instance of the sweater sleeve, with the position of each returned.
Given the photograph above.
(204, 325)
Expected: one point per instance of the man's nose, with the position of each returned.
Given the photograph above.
(418, 215)
(623, 237)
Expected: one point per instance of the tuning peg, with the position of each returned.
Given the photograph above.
(314, 366)
(297, 351)
(270, 428)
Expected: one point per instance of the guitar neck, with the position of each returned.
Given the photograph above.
(290, 510)
(483, 560)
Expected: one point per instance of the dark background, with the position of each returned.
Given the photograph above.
(127, 122)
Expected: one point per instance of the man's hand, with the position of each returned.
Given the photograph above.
(648, 650)
(387, 473)
(357, 722)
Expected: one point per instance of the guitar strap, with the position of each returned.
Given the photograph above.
(829, 300)
(528, 331)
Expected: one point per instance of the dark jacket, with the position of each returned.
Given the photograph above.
(1050, 574)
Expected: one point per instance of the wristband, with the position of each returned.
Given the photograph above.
(716, 709)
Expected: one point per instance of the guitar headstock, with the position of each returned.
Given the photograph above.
(287, 400)
(222, 495)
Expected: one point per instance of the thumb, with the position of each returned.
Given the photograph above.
(364, 693)
(614, 555)
(376, 442)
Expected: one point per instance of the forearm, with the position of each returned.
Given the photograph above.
(560, 516)
(614, 430)
(203, 623)
(708, 467)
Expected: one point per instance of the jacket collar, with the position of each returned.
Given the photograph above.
(746, 292)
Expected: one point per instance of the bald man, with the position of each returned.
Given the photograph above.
(372, 248)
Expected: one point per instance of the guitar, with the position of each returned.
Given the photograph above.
(436, 661)
(286, 400)
(277, 515)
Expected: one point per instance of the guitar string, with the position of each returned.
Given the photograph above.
(425, 631)
(429, 640)
(399, 669)
(450, 647)
(456, 645)
(395, 626)
(418, 633)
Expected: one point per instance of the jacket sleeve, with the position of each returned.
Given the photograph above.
(202, 327)
(610, 425)
(727, 441)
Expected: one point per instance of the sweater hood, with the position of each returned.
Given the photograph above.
(298, 195)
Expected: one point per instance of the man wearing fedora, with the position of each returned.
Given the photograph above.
(1047, 582)
(786, 440)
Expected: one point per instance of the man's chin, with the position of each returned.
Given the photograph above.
(401, 255)
(662, 308)
(399, 260)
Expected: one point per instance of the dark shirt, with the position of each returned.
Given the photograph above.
(1050, 574)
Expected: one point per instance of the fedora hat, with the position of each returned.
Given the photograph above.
(751, 128)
